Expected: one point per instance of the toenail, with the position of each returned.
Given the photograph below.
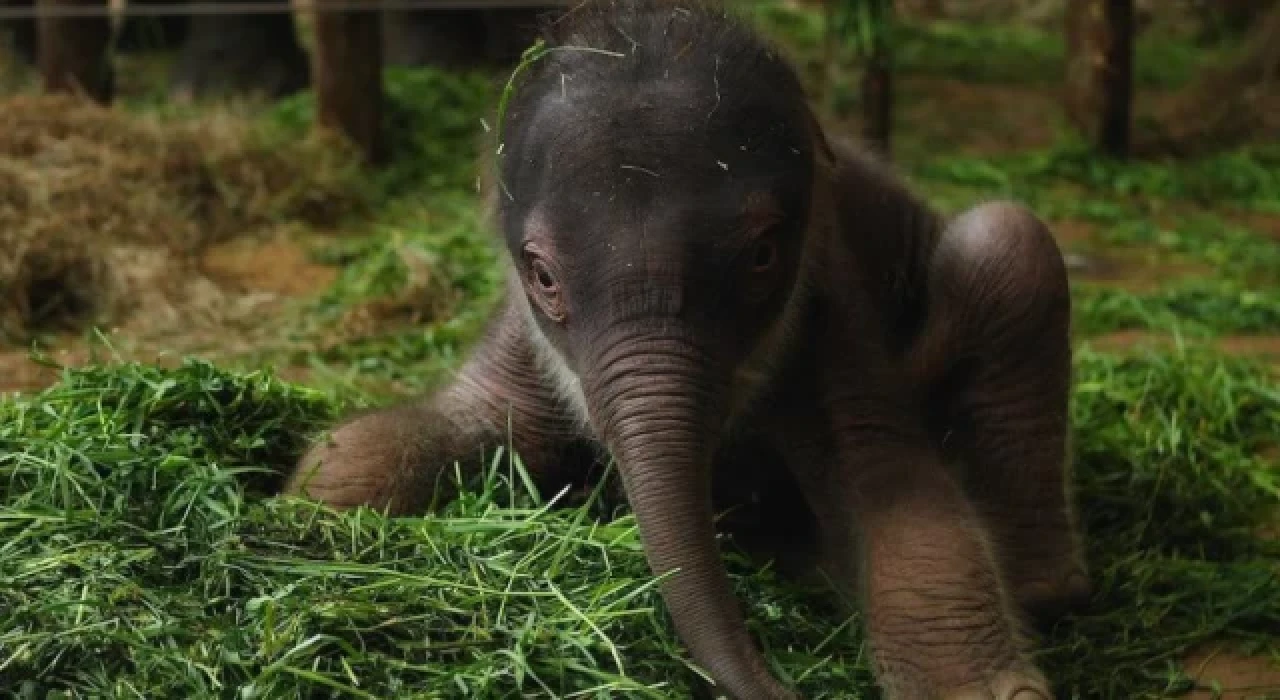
(1028, 694)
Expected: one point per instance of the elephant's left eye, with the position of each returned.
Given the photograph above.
(542, 284)
(544, 278)
(763, 256)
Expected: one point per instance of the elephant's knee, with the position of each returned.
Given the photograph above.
(1005, 264)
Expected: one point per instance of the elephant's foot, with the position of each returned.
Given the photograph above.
(1049, 579)
(1053, 593)
(1006, 685)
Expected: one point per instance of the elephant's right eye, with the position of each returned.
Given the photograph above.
(542, 284)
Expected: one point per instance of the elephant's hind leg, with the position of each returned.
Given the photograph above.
(1000, 316)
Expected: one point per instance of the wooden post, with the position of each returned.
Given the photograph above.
(347, 76)
(73, 51)
(1099, 75)
(877, 79)
(877, 100)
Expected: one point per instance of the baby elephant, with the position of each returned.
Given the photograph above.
(696, 272)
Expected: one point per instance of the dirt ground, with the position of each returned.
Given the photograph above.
(240, 293)
(1239, 677)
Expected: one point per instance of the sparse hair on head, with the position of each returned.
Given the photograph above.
(627, 74)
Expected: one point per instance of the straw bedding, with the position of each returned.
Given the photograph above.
(84, 190)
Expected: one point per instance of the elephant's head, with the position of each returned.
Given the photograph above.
(654, 195)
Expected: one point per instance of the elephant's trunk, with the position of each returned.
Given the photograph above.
(657, 407)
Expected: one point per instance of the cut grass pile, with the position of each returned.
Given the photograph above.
(141, 557)
(83, 188)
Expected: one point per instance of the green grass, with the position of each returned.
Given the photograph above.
(1193, 307)
(1234, 251)
(141, 556)
(433, 122)
(1248, 176)
(991, 53)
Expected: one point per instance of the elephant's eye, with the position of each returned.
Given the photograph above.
(543, 277)
(764, 255)
(543, 285)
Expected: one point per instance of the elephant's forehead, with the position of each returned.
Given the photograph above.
(662, 222)
(652, 135)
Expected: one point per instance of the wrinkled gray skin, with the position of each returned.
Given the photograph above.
(702, 286)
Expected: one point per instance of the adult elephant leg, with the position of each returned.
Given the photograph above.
(240, 54)
(997, 345)
(403, 458)
(508, 32)
(445, 38)
(73, 51)
(458, 39)
(142, 33)
(21, 32)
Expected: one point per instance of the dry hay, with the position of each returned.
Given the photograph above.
(87, 192)
(1228, 104)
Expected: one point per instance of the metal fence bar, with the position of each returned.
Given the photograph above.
(260, 7)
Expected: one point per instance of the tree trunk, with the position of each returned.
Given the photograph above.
(1099, 74)
(347, 74)
(830, 38)
(73, 51)
(877, 79)
(877, 101)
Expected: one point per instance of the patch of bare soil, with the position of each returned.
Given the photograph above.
(276, 266)
(980, 118)
(1072, 232)
(1263, 346)
(1131, 273)
(1131, 269)
(1266, 224)
(1239, 677)
(19, 373)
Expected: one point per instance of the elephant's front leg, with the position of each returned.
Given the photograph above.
(402, 458)
(937, 614)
